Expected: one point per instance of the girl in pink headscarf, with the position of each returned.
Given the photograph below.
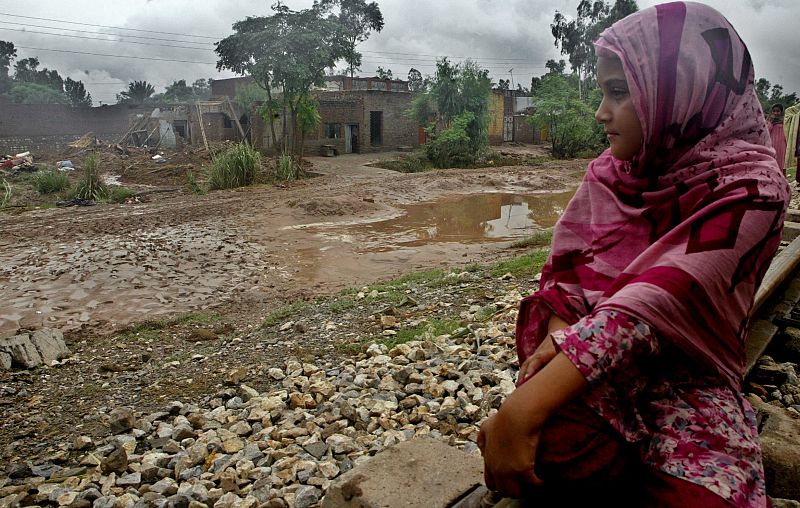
(631, 352)
(777, 135)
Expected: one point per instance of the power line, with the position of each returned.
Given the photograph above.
(494, 59)
(118, 56)
(94, 32)
(107, 26)
(103, 40)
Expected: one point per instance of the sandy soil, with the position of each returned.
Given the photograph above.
(107, 266)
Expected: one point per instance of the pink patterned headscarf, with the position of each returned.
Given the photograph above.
(681, 236)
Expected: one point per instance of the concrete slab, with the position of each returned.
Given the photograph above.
(421, 473)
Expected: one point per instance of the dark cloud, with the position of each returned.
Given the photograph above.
(500, 35)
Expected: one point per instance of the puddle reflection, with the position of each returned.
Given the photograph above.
(463, 219)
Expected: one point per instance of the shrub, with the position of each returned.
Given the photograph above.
(573, 129)
(91, 186)
(47, 182)
(235, 167)
(452, 147)
(287, 168)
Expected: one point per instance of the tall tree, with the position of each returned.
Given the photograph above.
(576, 36)
(202, 88)
(383, 73)
(286, 52)
(554, 67)
(770, 94)
(27, 71)
(76, 93)
(137, 92)
(416, 82)
(359, 19)
(7, 53)
(179, 91)
(459, 95)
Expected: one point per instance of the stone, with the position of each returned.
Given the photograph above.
(317, 449)
(340, 444)
(18, 470)
(165, 487)
(780, 447)
(419, 472)
(121, 420)
(129, 480)
(276, 374)
(43, 347)
(116, 462)
(306, 496)
(82, 443)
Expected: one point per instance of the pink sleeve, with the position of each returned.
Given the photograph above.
(605, 343)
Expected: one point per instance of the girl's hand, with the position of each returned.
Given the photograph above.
(534, 363)
(508, 444)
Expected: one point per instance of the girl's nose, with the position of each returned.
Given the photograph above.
(602, 115)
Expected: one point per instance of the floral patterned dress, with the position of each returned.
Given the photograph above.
(688, 425)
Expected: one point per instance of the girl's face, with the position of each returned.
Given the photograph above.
(776, 112)
(616, 111)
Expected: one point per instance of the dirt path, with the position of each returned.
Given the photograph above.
(110, 265)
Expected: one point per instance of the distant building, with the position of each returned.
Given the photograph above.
(358, 115)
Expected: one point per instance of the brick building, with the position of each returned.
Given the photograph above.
(353, 121)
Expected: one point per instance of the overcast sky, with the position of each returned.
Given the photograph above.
(501, 35)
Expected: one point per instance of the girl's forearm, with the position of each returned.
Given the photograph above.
(545, 393)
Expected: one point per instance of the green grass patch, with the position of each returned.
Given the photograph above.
(429, 329)
(49, 182)
(790, 173)
(147, 331)
(197, 318)
(192, 185)
(235, 167)
(413, 163)
(538, 239)
(526, 265)
(342, 304)
(119, 194)
(281, 314)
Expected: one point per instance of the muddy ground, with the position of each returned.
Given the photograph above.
(165, 299)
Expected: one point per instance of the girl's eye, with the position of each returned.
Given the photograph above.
(618, 93)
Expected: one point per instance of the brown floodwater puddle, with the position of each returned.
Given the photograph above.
(475, 218)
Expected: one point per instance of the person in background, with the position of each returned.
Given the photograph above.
(777, 135)
(632, 351)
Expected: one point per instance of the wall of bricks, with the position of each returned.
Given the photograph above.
(48, 127)
(39, 145)
(396, 129)
(227, 87)
(353, 107)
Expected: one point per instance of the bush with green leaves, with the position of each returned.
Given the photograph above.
(458, 99)
(91, 186)
(452, 146)
(235, 167)
(48, 182)
(570, 121)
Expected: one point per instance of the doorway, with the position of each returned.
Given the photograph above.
(375, 128)
(351, 138)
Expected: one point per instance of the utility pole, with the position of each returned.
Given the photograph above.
(511, 71)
